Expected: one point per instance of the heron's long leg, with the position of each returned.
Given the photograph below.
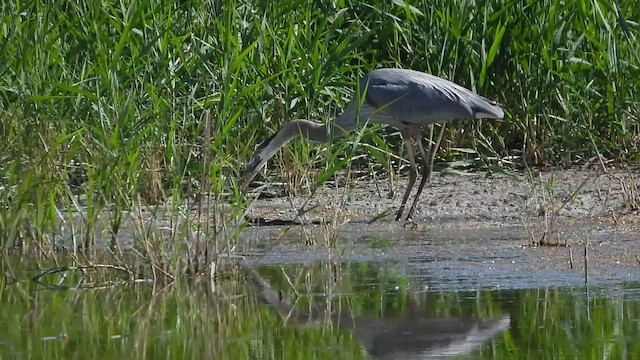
(413, 174)
(427, 168)
(434, 150)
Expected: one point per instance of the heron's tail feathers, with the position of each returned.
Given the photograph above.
(487, 109)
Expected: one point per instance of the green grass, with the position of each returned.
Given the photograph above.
(118, 106)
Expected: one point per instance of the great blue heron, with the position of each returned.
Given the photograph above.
(405, 99)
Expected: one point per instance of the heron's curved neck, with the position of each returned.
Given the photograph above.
(309, 130)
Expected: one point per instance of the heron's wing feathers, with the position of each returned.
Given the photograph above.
(415, 97)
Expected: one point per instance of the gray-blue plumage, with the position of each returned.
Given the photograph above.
(418, 96)
(407, 97)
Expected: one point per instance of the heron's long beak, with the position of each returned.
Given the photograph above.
(249, 173)
(257, 162)
(243, 184)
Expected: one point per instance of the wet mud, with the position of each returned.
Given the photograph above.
(469, 232)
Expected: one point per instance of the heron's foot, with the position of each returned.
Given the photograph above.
(411, 225)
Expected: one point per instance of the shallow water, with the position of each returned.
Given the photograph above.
(461, 255)
(384, 292)
(395, 320)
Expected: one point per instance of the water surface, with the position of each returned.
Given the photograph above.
(387, 293)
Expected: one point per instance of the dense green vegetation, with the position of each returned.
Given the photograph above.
(144, 102)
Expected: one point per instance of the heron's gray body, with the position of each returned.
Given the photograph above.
(403, 98)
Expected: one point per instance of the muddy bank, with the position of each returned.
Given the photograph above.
(471, 231)
(571, 195)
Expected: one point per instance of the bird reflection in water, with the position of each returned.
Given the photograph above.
(408, 336)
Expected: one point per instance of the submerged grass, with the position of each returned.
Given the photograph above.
(149, 109)
(195, 320)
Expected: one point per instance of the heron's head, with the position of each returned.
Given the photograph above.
(258, 160)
